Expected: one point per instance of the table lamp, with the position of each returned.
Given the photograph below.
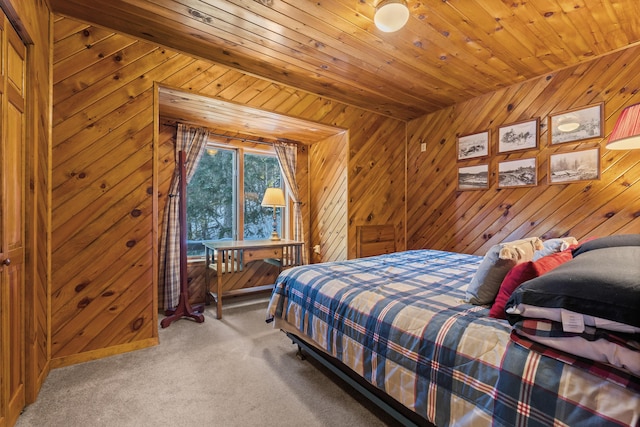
(274, 197)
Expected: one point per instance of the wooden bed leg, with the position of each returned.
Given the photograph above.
(299, 354)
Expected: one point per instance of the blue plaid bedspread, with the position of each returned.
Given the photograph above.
(399, 321)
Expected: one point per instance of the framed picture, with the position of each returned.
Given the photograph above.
(518, 173)
(473, 177)
(576, 125)
(474, 145)
(518, 136)
(574, 166)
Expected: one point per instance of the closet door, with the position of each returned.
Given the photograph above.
(12, 196)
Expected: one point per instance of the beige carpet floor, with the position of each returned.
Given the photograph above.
(237, 371)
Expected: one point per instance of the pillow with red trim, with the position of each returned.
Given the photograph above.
(514, 278)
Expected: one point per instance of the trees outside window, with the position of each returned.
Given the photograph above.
(225, 194)
(260, 172)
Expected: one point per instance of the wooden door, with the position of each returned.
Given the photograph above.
(12, 196)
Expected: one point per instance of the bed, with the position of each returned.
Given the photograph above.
(401, 324)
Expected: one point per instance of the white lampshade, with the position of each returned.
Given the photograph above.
(273, 197)
(391, 15)
(626, 132)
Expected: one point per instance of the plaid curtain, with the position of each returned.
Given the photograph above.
(288, 157)
(192, 141)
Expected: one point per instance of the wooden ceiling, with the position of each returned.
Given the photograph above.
(239, 121)
(449, 51)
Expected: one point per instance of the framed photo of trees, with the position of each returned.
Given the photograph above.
(574, 166)
(518, 136)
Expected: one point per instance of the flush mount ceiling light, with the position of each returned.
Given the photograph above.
(391, 15)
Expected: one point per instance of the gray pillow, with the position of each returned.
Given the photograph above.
(494, 267)
(607, 242)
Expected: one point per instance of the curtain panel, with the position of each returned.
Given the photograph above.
(287, 157)
(191, 140)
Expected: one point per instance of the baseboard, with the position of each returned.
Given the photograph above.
(103, 352)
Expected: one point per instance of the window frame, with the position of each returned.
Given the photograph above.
(241, 148)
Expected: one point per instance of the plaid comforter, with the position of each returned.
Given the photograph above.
(399, 321)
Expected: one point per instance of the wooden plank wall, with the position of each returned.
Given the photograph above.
(377, 167)
(328, 198)
(103, 135)
(32, 20)
(440, 217)
(304, 189)
(103, 196)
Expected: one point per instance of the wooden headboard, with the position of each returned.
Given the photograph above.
(375, 240)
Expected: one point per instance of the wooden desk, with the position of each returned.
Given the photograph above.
(231, 256)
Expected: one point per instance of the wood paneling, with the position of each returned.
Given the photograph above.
(440, 217)
(304, 188)
(102, 173)
(199, 110)
(449, 51)
(328, 198)
(377, 177)
(102, 214)
(93, 182)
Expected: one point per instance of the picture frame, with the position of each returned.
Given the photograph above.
(574, 166)
(518, 173)
(474, 177)
(578, 124)
(474, 145)
(518, 136)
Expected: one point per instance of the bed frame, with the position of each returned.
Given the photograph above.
(399, 412)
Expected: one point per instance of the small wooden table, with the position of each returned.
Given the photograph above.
(231, 256)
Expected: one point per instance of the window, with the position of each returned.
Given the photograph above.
(225, 193)
(260, 171)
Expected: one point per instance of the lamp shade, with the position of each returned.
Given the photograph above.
(626, 132)
(273, 197)
(391, 15)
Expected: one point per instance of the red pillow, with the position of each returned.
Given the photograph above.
(549, 262)
(519, 274)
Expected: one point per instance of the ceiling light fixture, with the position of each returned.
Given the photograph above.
(391, 15)
(626, 132)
